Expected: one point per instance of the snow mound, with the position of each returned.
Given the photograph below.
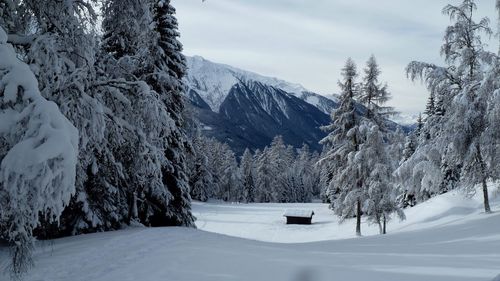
(496, 278)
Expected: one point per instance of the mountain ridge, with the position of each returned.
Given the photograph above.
(213, 81)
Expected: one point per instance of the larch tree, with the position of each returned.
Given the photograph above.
(376, 171)
(374, 95)
(375, 167)
(341, 144)
(491, 90)
(454, 134)
(464, 49)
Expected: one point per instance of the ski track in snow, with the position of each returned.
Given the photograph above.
(448, 238)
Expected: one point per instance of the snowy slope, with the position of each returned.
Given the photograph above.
(445, 239)
(213, 81)
(264, 222)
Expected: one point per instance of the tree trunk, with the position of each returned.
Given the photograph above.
(482, 165)
(487, 208)
(498, 26)
(384, 231)
(358, 218)
(134, 212)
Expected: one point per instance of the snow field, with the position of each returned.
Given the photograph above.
(265, 222)
(445, 239)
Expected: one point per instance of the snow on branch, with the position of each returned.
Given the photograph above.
(24, 40)
(38, 156)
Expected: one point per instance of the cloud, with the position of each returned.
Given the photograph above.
(307, 42)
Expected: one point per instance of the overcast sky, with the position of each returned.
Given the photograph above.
(308, 41)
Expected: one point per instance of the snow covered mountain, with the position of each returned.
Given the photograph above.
(247, 110)
(252, 114)
(405, 119)
(213, 81)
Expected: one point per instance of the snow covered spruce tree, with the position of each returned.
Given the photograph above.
(214, 173)
(296, 182)
(343, 141)
(38, 157)
(225, 171)
(166, 79)
(430, 108)
(247, 177)
(201, 180)
(278, 174)
(123, 92)
(141, 41)
(280, 158)
(264, 176)
(454, 133)
(308, 178)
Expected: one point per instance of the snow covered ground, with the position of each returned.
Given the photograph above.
(447, 238)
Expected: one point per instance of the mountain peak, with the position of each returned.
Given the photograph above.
(213, 81)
